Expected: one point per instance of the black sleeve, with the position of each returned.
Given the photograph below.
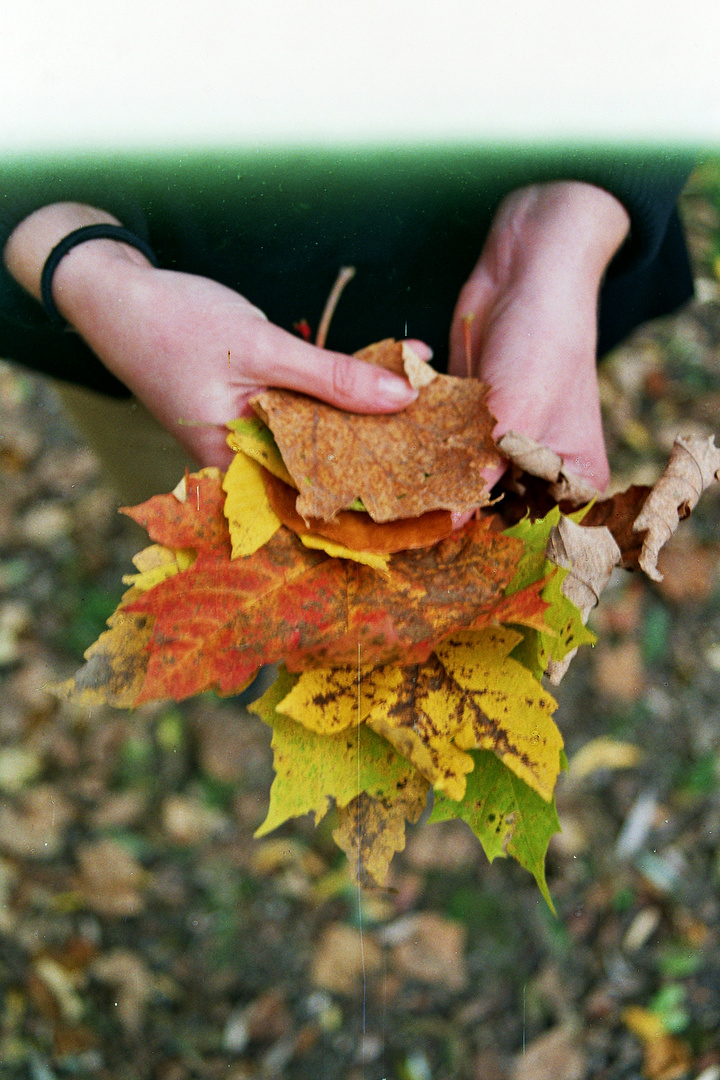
(651, 274)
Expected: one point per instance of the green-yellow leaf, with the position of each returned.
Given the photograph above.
(255, 439)
(566, 630)
(311, 769)
(506, 815)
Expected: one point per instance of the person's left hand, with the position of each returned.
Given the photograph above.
(529, 315)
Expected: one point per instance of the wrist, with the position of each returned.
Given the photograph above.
(567, 226)
(33, 240)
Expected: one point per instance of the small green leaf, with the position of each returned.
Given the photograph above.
(506, 815)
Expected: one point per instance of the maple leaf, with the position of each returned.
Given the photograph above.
(116, 663)
(220, 620)
(506, 815)
(471, 693)
(192, 516)
(333, 767)
(429, 456)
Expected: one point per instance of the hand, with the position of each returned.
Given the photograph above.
(532, 307)
(193, 351)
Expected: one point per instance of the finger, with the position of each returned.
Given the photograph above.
(285, 361)
(420, 349)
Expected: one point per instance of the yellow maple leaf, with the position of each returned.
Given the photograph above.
(505, 709)
(471, 694)
(251, 519)
(329, 700)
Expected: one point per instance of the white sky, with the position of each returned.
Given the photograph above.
(130, 73)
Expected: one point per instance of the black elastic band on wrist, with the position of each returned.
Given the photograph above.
(79, 236)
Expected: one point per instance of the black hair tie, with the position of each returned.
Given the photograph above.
(79, 236)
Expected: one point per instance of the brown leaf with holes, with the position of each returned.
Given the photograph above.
(429, 456)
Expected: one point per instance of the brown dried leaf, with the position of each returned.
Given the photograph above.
(342, 955)
(134, 985)
(618, 513)
(399, 357)
(694, 464)
(430, 456)
(532, 457)
(430, 948)
(370, 830)
(590, 554)
(110, 878)
(33, 824)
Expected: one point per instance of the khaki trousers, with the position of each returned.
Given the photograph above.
(139, 458)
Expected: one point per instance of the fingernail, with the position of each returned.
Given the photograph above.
(395, 389)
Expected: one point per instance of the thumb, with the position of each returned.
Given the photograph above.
(340, 380)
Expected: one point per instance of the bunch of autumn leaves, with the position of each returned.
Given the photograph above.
(410, 654)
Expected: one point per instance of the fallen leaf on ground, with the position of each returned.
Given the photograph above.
(619, 670)
(110, 879)
(343, 957)
(603, 753)
(555, 1055)
(430, 948)
(133, 983)
(689, 571)
(33, 823)
(665, 1057)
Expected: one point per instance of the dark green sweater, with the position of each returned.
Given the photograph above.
(277, 226)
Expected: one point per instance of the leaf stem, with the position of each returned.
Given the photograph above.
(347, 273)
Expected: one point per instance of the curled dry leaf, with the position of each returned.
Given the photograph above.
(590, 554)
(694, 464)
(532, 457)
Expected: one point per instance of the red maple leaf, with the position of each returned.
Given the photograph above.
(217, 622)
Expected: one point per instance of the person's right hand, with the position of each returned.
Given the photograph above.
(192, 350)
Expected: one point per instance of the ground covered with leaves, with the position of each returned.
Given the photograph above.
(146, 935)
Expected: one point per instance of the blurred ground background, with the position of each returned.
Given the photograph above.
(144, 934)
